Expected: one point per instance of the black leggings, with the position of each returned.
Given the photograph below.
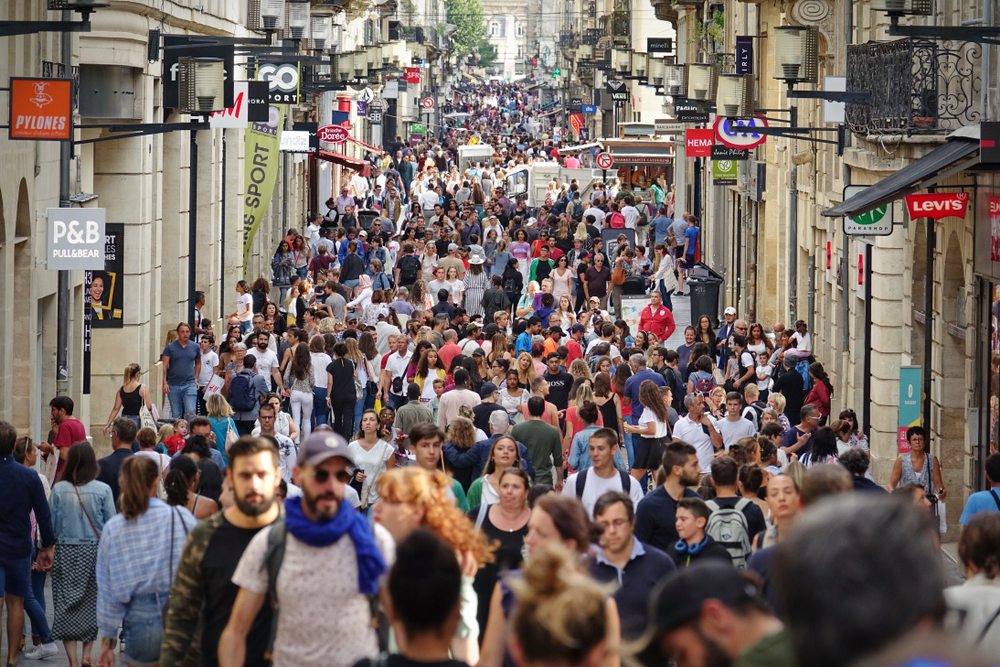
(343, 417)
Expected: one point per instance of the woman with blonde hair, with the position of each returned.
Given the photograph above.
(461, 438)
(412, 498)
(525, 368)
(221, 416)
(130, 398)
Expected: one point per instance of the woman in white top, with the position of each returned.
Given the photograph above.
(372, 457)
(455, 284)
(664, 277)
(651, 427)
(567, 318)
(320, 360)
(364, 294)
(244, 306)
(513, 396)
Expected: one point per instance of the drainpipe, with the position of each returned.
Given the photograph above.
(793, 224)
(62, 291)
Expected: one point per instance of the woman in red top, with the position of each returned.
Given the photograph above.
(821, 390)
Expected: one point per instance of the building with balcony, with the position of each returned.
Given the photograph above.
(507, 32)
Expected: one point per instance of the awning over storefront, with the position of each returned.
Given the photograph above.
(579, 148)
(955, 155)
(346, 161)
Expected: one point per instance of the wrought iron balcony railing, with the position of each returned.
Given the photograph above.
(915, 86)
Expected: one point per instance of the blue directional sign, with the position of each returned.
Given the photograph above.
(588, 108)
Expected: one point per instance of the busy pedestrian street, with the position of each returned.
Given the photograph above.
(491, 333)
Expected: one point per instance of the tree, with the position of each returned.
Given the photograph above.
(487, 53)
(470, 23)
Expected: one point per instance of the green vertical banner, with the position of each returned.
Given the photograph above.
(261, 173)
(910, 400)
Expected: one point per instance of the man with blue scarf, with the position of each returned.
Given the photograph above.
(331, 564)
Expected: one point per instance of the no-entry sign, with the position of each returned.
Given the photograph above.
(605, 160)
(427, 103)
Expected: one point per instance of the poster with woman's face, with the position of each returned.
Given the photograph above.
(104, 288)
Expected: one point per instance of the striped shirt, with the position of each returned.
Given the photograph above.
(135, 557)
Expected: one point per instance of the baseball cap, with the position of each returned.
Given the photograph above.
(321, 446)
(471, 328)
(678, 599)
(729, 311)
(488, 389)
(452, 247)
(479, 352)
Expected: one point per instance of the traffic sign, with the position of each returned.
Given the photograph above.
(740, 132)
(427, 103)
(332, 134)
(876, 222)
(605, 160)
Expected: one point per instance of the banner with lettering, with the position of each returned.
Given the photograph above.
(937, 205)
(263, 156)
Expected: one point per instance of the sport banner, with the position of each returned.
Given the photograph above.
(263, 156)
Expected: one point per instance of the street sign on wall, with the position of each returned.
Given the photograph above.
(617, 89)
(876, 222)
(724, 172)
(283, 81)
(938, 205)
(698, 142)
(659, 45)
(690, 112)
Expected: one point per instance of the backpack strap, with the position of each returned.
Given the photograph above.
(626, 481)
(712, 505)
(741, 504)
(277, 538)
(996, 498)
(581, 482)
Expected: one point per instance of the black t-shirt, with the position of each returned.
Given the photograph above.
(217, 567)
(342, 371)
(397, 660)
(481, 415)
(211, 479)
(111, 467)
(559, 386)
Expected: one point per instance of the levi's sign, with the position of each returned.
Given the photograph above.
(938, 205)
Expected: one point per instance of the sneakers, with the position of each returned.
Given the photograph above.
(42, 651)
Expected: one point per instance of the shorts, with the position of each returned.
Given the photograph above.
(648, 453)
(143, 629)
(15, 576)
(350, 284)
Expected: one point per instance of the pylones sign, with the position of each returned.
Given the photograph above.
(938, 205)
(262, 158)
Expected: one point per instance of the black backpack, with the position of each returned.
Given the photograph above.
(242, 393)
(409, 269)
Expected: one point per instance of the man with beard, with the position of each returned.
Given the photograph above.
(656, 514)
(713, 615)
(203, 592)
(315, 567)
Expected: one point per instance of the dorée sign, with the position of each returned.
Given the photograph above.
(937, 205)
(333, 134)
(75, 239)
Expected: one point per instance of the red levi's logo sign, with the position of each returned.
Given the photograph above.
(699, 142)
(938, 205)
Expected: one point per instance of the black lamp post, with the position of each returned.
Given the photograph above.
(84, 7)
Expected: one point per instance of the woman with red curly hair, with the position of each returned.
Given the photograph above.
(412, 498)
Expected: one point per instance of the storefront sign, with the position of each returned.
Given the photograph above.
(740, 132)
(724, 172)
(75, 239)
(876, 222)
(41, 109)
(689, 112)
(236, 116)
(104, 288)
(659, 45)
(333, 134)
(994, 229)
(909, 404)
(295, 142)
(937, 205)
(283, 81)
(698, 142)
(617, 90)
(727, 153)
(989, 143)
(412, 75)
(588, 108)
(418, 128)
(261, 172)
(744, 55)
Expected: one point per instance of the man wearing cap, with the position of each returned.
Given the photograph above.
(712, 615)
(452, 260)
(726, 330)
(329, 564)
(489, 394)
(470, 343)
(657, 318)
(552, 340)
(452, 400)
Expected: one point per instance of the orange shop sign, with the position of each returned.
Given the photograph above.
(41, 109)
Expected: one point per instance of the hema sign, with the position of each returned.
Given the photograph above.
(75, 239)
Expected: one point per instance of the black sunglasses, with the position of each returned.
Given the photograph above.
(322, 476)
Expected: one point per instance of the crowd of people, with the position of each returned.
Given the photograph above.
(430, 437)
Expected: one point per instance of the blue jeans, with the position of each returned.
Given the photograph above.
(359, 407)
(630, 449)
(143, 628)
(245, 326)
(34, 607)
(183, 400)
(321, 413)
(665, 294)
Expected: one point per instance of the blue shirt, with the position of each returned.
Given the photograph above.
(579, 451)
(523, 343)
(22, 493)
(645, 568)
(181, 370)
(691, 233)
(661, 225)
(632, 389)
(981, 501)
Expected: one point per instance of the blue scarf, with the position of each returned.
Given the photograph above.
(322, 534)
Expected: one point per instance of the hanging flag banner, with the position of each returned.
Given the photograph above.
(937, 205)
(576, 122)
(261, 172)
(994, 229)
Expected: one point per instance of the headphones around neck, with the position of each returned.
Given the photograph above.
(682, 547)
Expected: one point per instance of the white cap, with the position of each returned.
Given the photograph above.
(730, 311)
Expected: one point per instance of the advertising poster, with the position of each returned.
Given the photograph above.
(909, 404)
(104, 288)
(262, 159)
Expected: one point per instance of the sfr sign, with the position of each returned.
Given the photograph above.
(938, 205)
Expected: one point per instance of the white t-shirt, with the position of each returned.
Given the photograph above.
(162, 461)
(733, 431)
(209, 361)
(372, 463)
(245, 302)
(265, 362)
(803, 343)
(320, 360)
(613, 354)
(648, 416)
(397, 365)
(631, 215)
(596, 486)
(692, 433)
(323, 614)
(763, 377)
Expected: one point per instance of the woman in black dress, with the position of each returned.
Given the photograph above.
(505, 524)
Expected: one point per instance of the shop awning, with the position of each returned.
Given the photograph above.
(955, 155)
(346, 161)
(580, 148)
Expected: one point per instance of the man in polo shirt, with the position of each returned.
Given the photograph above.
(698, 428)
(655, 516)
(623, 560)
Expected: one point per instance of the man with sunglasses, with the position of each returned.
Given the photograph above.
(329, 566)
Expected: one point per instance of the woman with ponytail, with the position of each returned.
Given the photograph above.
(180, 485)
(137, 560)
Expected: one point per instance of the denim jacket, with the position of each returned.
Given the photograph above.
(68, 518)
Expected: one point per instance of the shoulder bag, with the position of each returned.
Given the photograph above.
(170, 561)
(93, 526)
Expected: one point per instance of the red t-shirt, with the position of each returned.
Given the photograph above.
(71, 431)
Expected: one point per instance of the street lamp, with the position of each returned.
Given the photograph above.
(674, 80)
(620, 62)
(655, 71)
(734, 97)
(701, 81)
(795, 54)
(319, 31)
(298, 18)
(271, 14)
(638, 65)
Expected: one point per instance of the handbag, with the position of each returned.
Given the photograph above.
(214, 385)
(146, 419)
(93, 526)
(166, 413)
(231, 435)
(371, 387)
(618, 276)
